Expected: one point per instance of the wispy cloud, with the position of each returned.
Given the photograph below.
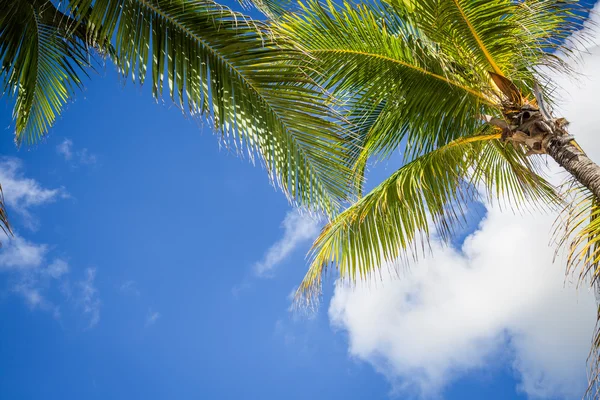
(57, 268)
(27, 263)
(88, 297)
(33, 297)
(65, 148)
(18, 253)
(238, 289)
(152, 317)
(298, 228)
(21, 192)
(130, 287)
(69, 153)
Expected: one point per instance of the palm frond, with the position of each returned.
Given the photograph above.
(41, 65)
(273, 9)
(4, 224)
(509, 38)
(578, 231)
(429, 195)
(365, 55)
(220, 64)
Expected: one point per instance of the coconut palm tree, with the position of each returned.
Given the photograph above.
(217, 64)
(461, 89)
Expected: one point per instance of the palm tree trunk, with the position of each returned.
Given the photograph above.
(541, 134)
(576, 162)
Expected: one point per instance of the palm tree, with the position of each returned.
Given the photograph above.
(217, 64)
(461, 88)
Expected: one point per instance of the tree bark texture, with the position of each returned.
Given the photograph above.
(542, 134)
(576, 162)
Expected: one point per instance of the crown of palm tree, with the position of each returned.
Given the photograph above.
(427, 77)
(443, 81)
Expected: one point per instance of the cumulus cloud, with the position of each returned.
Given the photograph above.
(499, 298)
(298, 228)
(82, 156)
(454, 311)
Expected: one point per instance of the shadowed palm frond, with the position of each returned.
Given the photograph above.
(41, 63)
(4, 224)
(429, 195)
(219, 64)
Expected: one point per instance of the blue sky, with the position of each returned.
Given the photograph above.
(151, 263)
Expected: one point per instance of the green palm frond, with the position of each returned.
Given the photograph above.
(430, 62)
(509, 38)
(41, 63)
(271, 8)
(578, 231)
(427, 103)
(220, 64)
(429, 195)
(4, 224)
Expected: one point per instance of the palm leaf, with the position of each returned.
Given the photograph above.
(578, 231)
(4, 224)
(429, 195)
(388, 61)
(271, 8)
(41, 64)
(508, 38)
(220, 64)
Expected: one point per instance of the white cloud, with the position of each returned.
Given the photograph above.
(88, 297)
(298, 228)
(451, 313)
(27, 262)
(65, 148)
(57, 268)
(18, 253)
(130, 287)
(83, 156)
(152, 317)
(34, 298)
(20, 192)
(501, 298)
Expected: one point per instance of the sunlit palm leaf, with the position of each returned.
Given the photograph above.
(429, 194)
(271, 8)
(218, 63)
(41, 64)
(509, 38)
(364, 56)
